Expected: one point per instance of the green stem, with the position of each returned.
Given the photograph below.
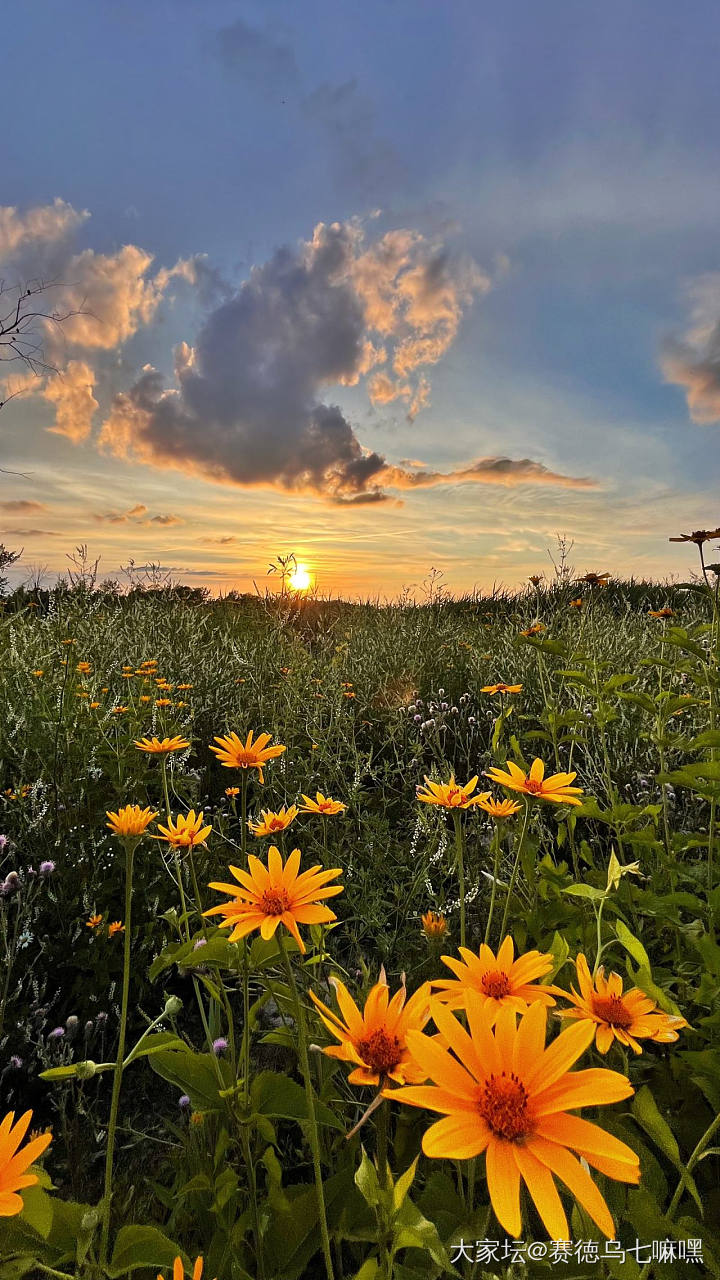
(313, 1133)
(516, 865)
(704, 1142)
(117, 1076)
(493, 891)
(381, 1130)
(459, 851)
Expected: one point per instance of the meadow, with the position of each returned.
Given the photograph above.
(273, 1069)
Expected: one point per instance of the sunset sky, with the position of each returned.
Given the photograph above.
(391, 284)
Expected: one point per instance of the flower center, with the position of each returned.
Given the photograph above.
(533, 786)
(495, 984)
(277, 824)
(275, 901)
(380, 1051)
(611, 1009)
(503, 1106)
(246, 759)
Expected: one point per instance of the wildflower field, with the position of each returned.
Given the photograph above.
(361, 942)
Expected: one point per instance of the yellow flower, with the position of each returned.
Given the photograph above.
(14, 1162)
(235, 754)
(144, 697)
(179, 1270)
(84, 668)
(501, 688)
(131, 821)
(186, 831)
(376, 1039)
(576, 604)
(496, 981)
(163, 702)
(266, 897)
(434, 925)
(503, 1092)
(94, 922)
(161, 746)
(451, 795)
(595, 579)
(115, 927)
(271, 822)
(500, 809)
(555, 788)
(185, 687)
(322, 804)
(616, 1015)
(661, 613)
(94, 706)
(698, 537)
(536, 579)
(118, 711)
(39, 672)
(232, 792)
(534, 630)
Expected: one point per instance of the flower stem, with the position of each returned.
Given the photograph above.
(461, 872)
(516, 865)
(312, 1117)
(493, 891)
(117, 1075)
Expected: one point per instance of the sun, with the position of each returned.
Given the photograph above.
(300, 579)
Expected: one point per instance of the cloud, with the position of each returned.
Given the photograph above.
(693, 360)
(223, 541)
(503, 471)
(44, 224)
(257, 56)
(30, 533)
(136, 515)
(22, 506)
(361, 159)
(247, 407)
(71, 391)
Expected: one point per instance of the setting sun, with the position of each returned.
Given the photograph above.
(300, 579)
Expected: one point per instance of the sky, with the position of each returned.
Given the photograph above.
(392, 285)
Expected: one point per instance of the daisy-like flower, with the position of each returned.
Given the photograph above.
(500, 809)
(452, 794)
(324, 805)
(503, 1092)
(84, 668)
(163, 702)
(495, 980)
(39, 672)
(536, 579)
(14, 1162)
(576, 604)
(266, 897)
(556, 788)
(117, 926)
(130, 821)
(616, 1015)
(186, 831)
(434, 925)
(534, 630)
(271, 822)
(501, 688)
(232, 792)
(162, 746)
(233, 753)
(661, 613)
(595, 579)
(94, 922)
(179, 1270)
(119, 711)
(698, 537)
(376, 1039)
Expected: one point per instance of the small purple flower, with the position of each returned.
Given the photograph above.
(16, 1062)
(417, 719)
(31, 873)
(101, 1018)
(183, 1101)
(219, 1046)
(47, 868)
(10, 884)
(89, 1027)
(3, 843)
(201, 942)
(57, 1033)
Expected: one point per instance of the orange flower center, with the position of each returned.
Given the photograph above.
(276, 824)
(612, 1009)
(275, 901)
(495, 984)
(246, 759)
(380, 1051)
(533, 786)
(504, 1107)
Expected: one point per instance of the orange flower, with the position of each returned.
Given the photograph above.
(116, 927)
(495, 980)
(275, 894)
(186, 831)
(616, 1015)
(376, 1039)
(179, 1270)
(118, 711)
(234, 754)
(14, 1162)
(536, 579)
(232, 792)
(534, 630)
(555, 788)
(661, 613)
(434, 925)
(162, 746)
(271, 822)
(698, 537)
(84, 668)
(163, 702)
(322, 804)
(500, 809)
(503, 1092)
(451, 795)
(130, 821)
(595, 579)
(94, 922)
(501, 688)
(576, 604)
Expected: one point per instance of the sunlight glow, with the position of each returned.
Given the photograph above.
(300, 579)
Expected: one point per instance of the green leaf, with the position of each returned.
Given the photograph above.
(137, 1246)
(632, 944)
(404, 1183)
(366, 1180)
(585, 891)
(37, 1210)
(645, 1111)
(277, 1096)
(411, 1230)
(193, 1074)
(368, 1271)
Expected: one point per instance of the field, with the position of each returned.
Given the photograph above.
(180, 1060)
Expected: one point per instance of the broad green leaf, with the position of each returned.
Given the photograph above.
(138, 1246)
(366, 1180)
(403, 1184)
(632, 944)
(277, 1096)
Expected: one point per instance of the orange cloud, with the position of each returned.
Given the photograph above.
(71, 391)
